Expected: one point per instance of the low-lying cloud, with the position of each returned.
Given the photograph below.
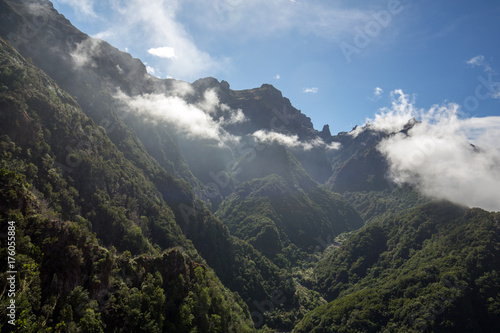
(393, 119)
(292, 141)
(85, 52)
(196, 121)
(444, 155)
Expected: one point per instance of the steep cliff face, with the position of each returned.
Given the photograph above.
(66, 280)
(93, 71)
(268, 109)
(358, 165)
(76, 166)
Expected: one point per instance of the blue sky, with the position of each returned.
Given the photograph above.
(337, 61)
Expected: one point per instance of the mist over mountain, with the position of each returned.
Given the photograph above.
(159, 205)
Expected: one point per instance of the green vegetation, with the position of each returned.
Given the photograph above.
(108, 190)
(378, 205)
(67, 282)
(434, 268)
(281, 220)
(74, 165)
(77, 175)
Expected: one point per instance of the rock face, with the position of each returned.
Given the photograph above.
(325, 133)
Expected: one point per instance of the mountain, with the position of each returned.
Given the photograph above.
(280, 206)
(137, 206)
(70, 278)
(430, 269)
(359, 166)
(95, 187)
(73, 163)
(359, 156)
(147, 204)
(69, 282)
(93, 71)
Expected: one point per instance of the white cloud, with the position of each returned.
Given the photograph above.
(235, 117)
(210, 101)
(311, 90)
(106, 35)
(393, 119)
(163, 52)
(155, 22)
(84, 53)
(476, 61)
(436, 155)
(333, 146)
(357, 131)
(175, 111)
(377, 94)
(193, 120)
(151, 70)
(181, 89)
(479, 61)
(177, 24)
(277, 77)
(292, 141)
(283, 139)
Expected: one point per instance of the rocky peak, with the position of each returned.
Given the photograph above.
(206, 83)
(325, 133)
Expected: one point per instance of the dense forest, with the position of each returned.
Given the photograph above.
(117, 222)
